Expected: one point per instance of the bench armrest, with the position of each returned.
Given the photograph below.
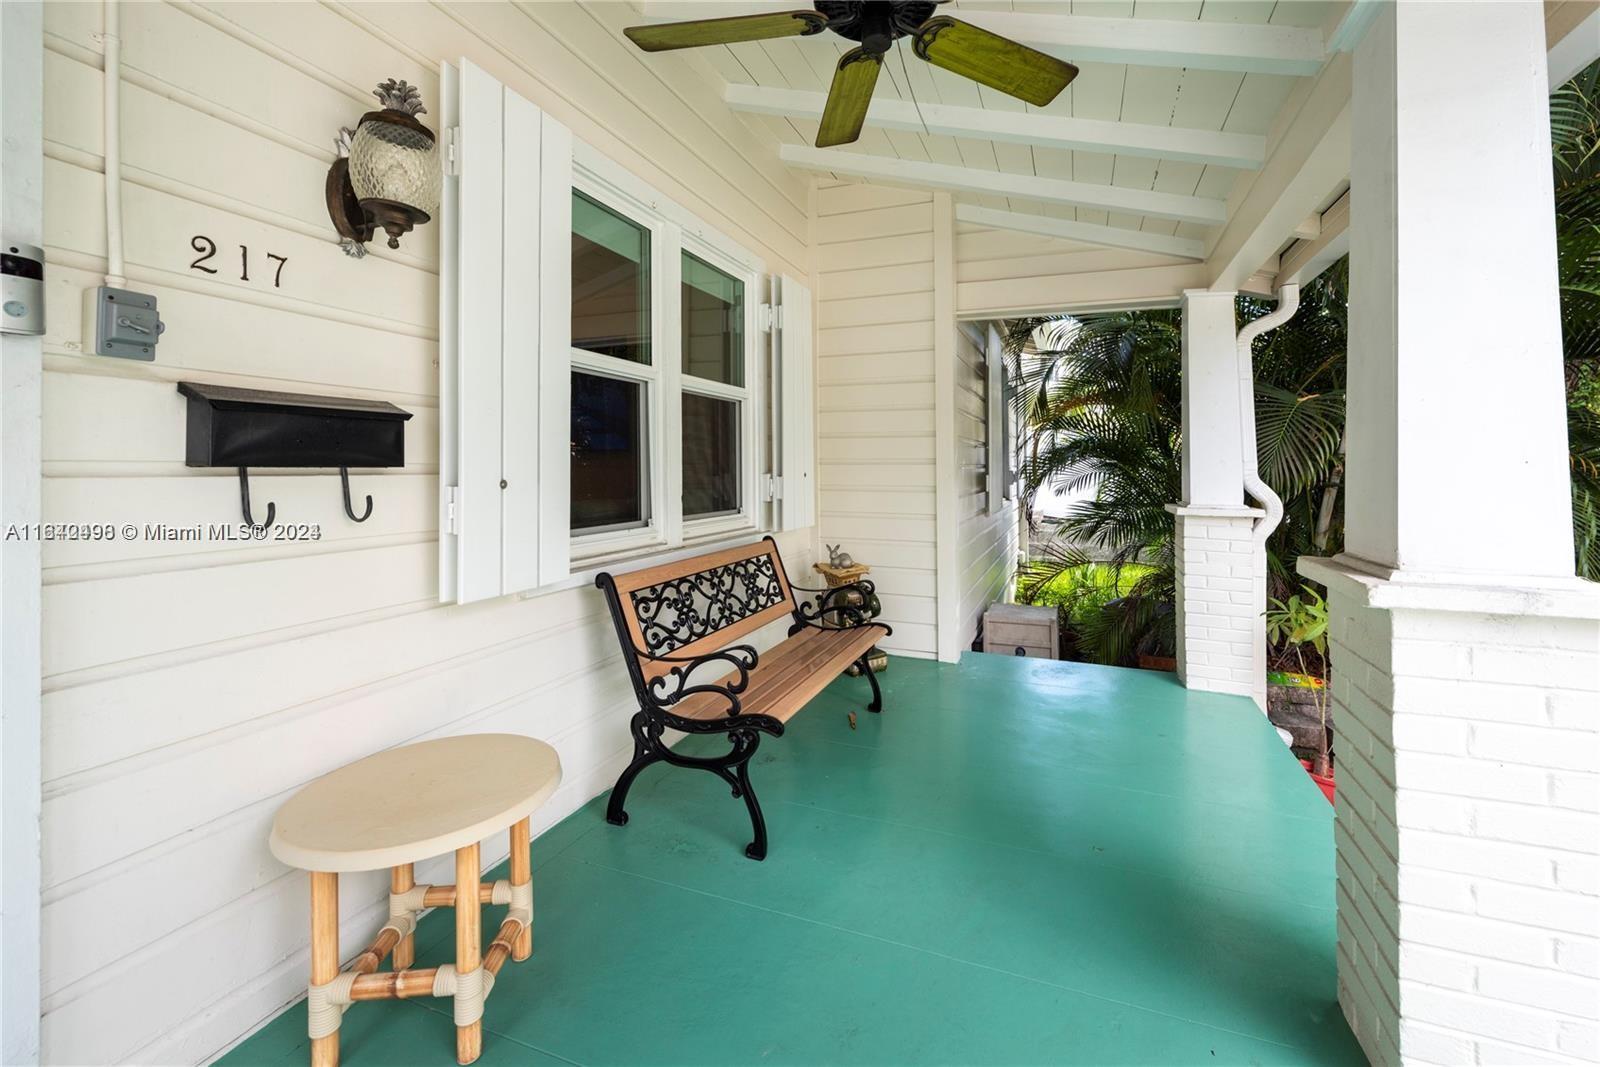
(830, 605)
(668, 689)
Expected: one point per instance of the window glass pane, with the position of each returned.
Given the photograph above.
(608, 453)
(710, 455)
(610, 282)
(713, 323)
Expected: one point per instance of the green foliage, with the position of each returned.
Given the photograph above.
(1100, 401)
(1575, 133)
(1300, 620)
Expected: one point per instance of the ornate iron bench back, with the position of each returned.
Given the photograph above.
(697, 605)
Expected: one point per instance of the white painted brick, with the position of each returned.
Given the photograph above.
(1574, 913)
(1570, 708)
(1436, 889)
(1447, 697)
(1465, 777)
(1506, 861)
(1578, 873)
(1574, 750)
(1577, 955)
(1432, 811)
(1479, 936)
(1581, 1039)
(1539, 988)
(1481, 1017)
(1430, 659)
(1555, 827)
(1427, 1044)
(1573, 789)
(1498, 1054)
(1558, 669)
(1449, 970)
(1430, 733)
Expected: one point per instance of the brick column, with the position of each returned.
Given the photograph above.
(1467, 833)
(1465, 655)
(1221, 578)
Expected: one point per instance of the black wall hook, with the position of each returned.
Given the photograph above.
(244, 501)
(344, 479)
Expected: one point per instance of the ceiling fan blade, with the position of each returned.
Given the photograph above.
(848, 98)
(666, 36)
(989, 59)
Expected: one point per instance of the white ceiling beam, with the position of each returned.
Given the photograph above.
(1028, 186)
(1090, 233)
(1243, 151)
(1254, 49)
(1305, 259)
(1352, 24)
(1308, 168)
(1575, 49)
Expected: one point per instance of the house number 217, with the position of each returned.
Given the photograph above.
(208, 250)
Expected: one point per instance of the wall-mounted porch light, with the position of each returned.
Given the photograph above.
(387, 173)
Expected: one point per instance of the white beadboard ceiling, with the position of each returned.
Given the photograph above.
(1193, 186)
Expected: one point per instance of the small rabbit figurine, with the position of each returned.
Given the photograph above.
(838, 559)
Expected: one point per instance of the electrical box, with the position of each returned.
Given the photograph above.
(126, 324)
(21, 289)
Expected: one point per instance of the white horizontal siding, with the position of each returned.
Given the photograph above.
(874, 261)
(189, 688)
(986, 544)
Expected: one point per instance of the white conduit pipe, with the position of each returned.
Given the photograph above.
(1258, 490)
(113, 143)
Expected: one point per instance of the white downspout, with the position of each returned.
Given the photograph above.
(1288, 304)
(113, 143)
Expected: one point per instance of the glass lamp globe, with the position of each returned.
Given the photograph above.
(394, 163)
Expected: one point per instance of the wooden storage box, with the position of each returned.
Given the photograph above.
(1022, 630)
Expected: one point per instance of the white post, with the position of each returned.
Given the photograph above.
(1219, 570)
(21, 207)
(1465, 655)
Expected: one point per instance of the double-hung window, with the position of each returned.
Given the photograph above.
(664, 369)
(604, 390)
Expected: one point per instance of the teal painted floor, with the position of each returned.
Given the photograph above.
(1018, 862)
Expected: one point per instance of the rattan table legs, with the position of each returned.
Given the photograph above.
(467, 982)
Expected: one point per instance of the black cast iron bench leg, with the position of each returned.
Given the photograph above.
(645, 752)
(866, 669)
(733, 768)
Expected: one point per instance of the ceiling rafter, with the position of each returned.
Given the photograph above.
(1251, 49)
(1089, 233)
(1027, 186)
(1216, 148)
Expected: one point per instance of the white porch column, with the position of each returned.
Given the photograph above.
(1466, 657)
(1221, 575)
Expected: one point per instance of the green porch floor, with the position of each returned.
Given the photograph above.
(1018, 862)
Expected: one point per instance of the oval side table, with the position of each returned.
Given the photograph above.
(389, 811)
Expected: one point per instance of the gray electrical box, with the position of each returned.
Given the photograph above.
(21, 289)
(126, 324)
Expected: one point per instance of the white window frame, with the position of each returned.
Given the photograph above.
(672, 232)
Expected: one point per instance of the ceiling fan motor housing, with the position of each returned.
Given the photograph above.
(875, 23)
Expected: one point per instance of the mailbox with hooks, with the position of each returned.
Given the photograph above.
(246, 428)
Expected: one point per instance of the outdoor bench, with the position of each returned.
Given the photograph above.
(675, 622)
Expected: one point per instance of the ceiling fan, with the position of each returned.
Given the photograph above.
(959, 47)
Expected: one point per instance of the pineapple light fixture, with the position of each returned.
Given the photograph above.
(387, 174)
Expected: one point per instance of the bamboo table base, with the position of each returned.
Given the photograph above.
(468, 981)
(387, 812)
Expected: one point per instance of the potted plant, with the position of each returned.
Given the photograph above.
(1298, 630)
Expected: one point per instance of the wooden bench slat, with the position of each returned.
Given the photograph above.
(795, 671)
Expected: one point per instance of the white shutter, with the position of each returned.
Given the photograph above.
(998, 458)
(471, 239)
(555, 351)
(504, 341)
(796, 374)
